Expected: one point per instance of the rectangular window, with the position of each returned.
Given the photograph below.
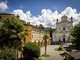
(0, 17)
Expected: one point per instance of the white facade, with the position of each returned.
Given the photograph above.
(63, 28)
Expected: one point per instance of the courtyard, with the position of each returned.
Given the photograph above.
(54, 55)
(39, 30)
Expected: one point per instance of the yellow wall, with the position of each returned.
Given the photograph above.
(29, 35)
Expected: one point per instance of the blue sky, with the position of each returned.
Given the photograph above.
(42, 11)
(35, 6)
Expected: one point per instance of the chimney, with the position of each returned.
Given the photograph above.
(18, 16)
(28, 23)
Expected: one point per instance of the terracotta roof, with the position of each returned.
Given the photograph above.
(37, 27)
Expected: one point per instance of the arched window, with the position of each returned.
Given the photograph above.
(63, 39)
(63, 28)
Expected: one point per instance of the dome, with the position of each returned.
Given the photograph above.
(64, 17)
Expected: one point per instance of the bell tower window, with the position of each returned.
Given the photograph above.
(63, 28)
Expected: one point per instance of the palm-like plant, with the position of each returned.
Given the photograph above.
(45, 37)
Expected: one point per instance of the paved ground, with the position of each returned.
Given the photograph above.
(54, 55)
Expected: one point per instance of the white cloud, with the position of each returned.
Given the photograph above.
(47, 17)
(3, 6)
(72, 12)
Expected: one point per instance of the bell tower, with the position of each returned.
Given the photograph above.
(57, 20)
(71, 19)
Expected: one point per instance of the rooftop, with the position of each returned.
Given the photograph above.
(5, 14)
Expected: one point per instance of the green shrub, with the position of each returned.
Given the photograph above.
(31, 51)
(60, 48)
(8, 54)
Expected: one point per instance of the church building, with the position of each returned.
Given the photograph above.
(63, 28)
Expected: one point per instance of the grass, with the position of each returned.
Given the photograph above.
(33, 59)
(46, 55)
(38, 59)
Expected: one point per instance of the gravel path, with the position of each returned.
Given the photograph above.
(54, 55)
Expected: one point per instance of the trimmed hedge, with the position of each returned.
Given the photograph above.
(31, 51)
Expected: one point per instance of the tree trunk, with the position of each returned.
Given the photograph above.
(21, 54)
(17, 54)
(45, 46)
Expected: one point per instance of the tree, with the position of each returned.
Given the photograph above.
(12, 31)
(75, 32)
(45, 37)
(41, 26)
(30, 51)
(51, 30)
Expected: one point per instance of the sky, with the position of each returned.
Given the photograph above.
(43, 12)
